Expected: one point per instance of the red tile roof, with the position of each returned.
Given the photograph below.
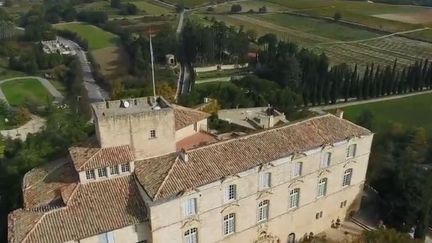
(92, 209)
(89, 155)
(43, 186)
(186, 116)
(196, 140)
(207, 164)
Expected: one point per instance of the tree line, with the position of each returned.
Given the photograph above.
(311, 75)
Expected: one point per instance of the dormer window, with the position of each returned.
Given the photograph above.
(125, 168)
(114, 170)
(90, 175)
(152, 133)
(102, 172)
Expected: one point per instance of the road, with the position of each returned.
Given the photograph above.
(94, 91)
(323, 108)
(47, 84)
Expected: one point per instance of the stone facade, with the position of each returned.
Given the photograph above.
(282, 221)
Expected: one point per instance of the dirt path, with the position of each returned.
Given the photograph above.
(323, 108)
(51, 89)
(375, 38)
(33, 126)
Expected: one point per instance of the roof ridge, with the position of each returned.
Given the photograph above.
(48, 173)
(34, 227)
(73, 193)
(91, 157)
(260, 132)
(166, 177)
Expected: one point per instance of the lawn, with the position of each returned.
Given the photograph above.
(96, 37)
(412, 111)
(19, 91)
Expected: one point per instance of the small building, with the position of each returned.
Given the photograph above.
(170, 60)
(253, 118)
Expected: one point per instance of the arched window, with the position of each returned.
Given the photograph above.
(229, 224)
(191, 235)
(347, 177)
(291, 238)
(322, 187)
(297, 169)
(263, 210)
(294, 198)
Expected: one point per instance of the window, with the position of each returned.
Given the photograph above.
(190, 207)
(351, 151)
(343, 204)
(265, 180)
(152, 133)
(318, 215)
(114, 170)
(195, 127)
(229, 224)
(297, 169)
(291, 238)
(125, 167)
(326, 160)
(90, 175)
(231, 193)
(294, 198)
(191, 235)
(102, 172)
(263, 210)
(322, 187)
(347, 177)
(107, 237)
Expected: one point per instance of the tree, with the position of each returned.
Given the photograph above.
(385, 236)
(236, 8)
(337, 16)
(263, 9)
(115, 3)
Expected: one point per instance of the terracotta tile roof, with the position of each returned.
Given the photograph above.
(186, 116)
(196, 140)
(43, 185)
(213, 162)
(93, 208)
(89, 155)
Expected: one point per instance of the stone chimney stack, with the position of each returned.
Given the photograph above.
(340, 113)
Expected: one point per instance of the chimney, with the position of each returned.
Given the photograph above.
(183, 155)
(340, 113)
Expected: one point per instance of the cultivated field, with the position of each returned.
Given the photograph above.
(112, 61)
(151, 8)
(410, 112)
(421, 17)
(188, 3)
(96, 37)
(19, 91)
(342, 43)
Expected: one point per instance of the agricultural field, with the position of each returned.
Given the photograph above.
(19, 91)
(96, 37)
(112, 61)
(152, 8)
(142, 24)
(362, 12)
(397, 111)
(342, 43)
(188, 3)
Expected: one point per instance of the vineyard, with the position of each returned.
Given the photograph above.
(341, 43)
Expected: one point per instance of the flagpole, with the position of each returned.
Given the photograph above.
(152, 63)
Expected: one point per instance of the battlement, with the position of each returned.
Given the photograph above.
(129, 106)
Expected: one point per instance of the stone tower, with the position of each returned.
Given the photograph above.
(146, 124)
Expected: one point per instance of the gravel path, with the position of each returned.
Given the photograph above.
(322, 109)
(47, 84)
